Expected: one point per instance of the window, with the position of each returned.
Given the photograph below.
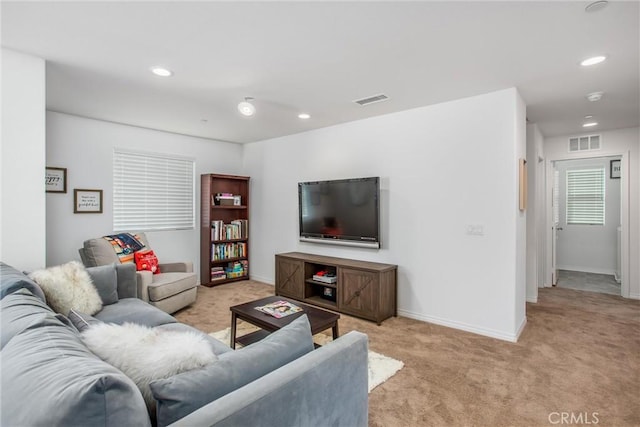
(152, 192)
(585, 196)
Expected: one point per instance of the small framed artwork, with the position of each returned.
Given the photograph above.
(87, 201)
(614, 169)
(55, 180)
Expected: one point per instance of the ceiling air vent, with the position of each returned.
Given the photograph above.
(584, 143)
(371, 99)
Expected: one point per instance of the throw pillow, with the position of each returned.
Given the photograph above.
(67, 287)
(182, 394)
(146, 260)
(145, 354)
(105, 280)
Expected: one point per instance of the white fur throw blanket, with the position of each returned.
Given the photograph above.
(145, 354)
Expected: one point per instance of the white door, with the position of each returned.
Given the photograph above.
(555, 206)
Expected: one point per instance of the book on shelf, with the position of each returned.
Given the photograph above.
(218, 273)
(279, 309)
(237, 269)
(222, 251)
(237, 229)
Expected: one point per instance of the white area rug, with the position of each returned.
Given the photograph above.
(381, 367)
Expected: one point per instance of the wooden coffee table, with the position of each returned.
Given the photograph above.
(319, 319)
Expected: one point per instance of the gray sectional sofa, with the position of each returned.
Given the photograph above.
(49, 377)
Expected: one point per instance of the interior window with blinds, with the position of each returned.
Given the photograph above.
(585, 196)
(152, 192)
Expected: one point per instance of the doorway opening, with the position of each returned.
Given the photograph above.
(587, 218)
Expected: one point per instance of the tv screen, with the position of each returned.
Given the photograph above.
(342, 211)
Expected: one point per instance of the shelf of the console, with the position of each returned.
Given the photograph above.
(321, 302)
(328, 285)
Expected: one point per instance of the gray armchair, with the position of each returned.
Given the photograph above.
(170, 290)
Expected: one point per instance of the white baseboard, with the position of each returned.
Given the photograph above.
(607, 271)
(532, 298)
(266, 280)
(634, 296)
(464, 326)
(521, 328)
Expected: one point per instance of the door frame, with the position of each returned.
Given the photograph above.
(624, 214)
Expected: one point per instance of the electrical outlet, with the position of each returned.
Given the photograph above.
(475, 230)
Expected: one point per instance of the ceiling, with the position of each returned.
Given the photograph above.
(318, 57)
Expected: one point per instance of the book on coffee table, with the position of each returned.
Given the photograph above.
(279, 309)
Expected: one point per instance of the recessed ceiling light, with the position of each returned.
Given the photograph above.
(588, 117)
(246, 108)
(595, 96)
(590, 124)
(304, 116)
(162, 72)
(596, 6)
(593, 60)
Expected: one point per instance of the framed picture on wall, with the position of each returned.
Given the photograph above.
(87, 201)
(55, 180)
(614, 169)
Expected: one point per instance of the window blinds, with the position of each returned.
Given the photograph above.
(585, 196)
(152, 192)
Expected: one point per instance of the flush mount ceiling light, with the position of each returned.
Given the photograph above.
(160, 71)
(246, 108)
(596, 6)
(593, 60)
(590, 124)
(588, 117)
(595, 96)
(304, 116)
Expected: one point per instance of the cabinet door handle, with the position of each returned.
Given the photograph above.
(356, 294)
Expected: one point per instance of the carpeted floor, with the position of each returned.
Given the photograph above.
(579, 354)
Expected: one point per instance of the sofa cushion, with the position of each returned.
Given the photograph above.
(145, 354)
(127, 281)
(82, 321)
(99, 252)
(12, 280)
(133, 310)
(165, 285)
(184, 393)
(105, 280)
(67, 287)
(49, 377)
(218, 347)
(22, 310)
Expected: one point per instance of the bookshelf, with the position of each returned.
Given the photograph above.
(224, 229)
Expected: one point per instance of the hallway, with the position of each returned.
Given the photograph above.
(581, 281)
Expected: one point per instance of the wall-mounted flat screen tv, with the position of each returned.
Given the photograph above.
(345, 211)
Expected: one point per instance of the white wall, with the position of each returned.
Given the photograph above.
(518, 120)
(442, 168)
(22, 194)
(85, 148)
(624, 142)
(589, 248)
(535, 211)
